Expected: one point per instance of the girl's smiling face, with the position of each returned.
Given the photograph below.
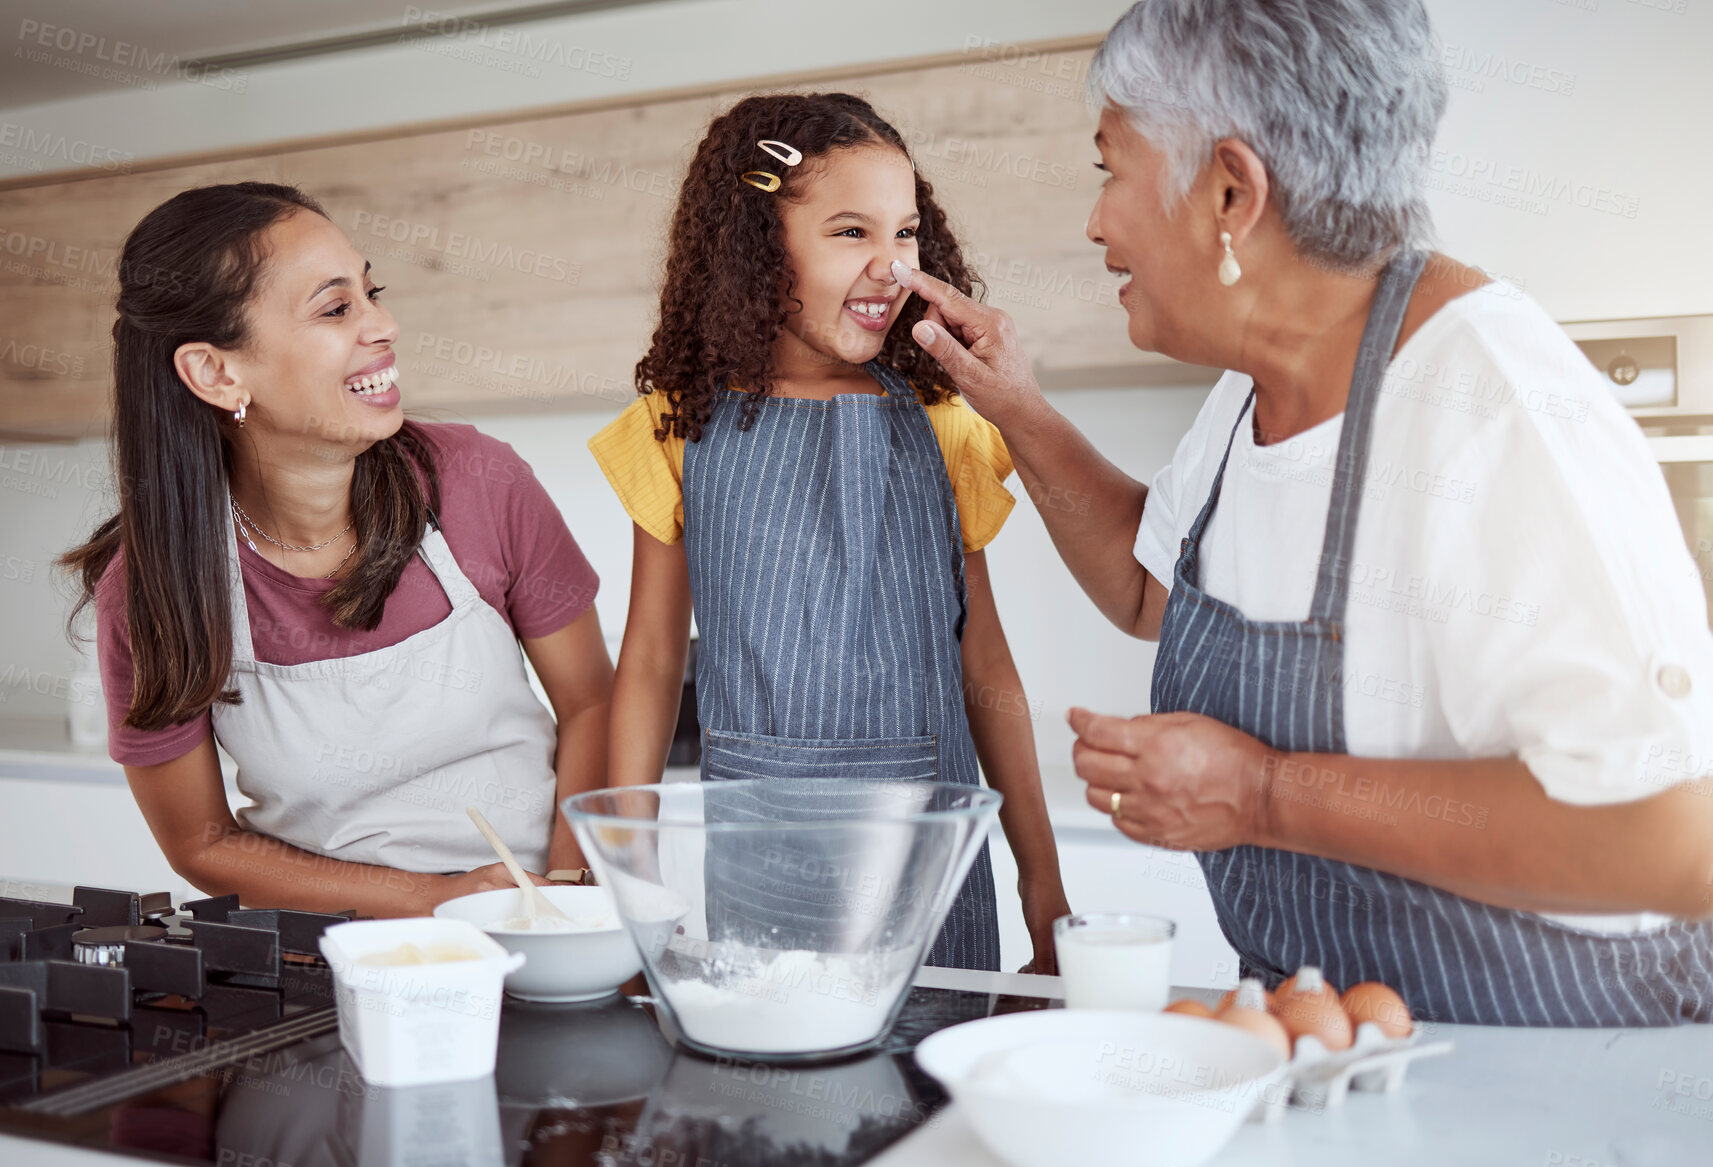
(853, 215)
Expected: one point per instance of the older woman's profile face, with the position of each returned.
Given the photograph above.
(1157, 252)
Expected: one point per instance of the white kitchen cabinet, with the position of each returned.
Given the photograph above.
(67, 817)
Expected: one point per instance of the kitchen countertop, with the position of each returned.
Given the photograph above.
(1564, 1097)
(1572, 1098)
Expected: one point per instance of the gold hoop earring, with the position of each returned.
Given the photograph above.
(1229, 272)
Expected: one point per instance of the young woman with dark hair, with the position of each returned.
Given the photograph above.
(802, 480)
(333, 594)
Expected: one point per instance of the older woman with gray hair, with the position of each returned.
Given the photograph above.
(1432, 696)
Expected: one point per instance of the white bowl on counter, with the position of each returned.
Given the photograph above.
(1058, 1086)
(586, 963)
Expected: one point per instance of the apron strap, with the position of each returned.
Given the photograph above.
(1192, 541)
(1380, 335)
(437, 553)
(243, 650)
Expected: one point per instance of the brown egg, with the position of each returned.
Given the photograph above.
(1262, 1024)
(1307, 1005)
(1372, 1001)
(1189, 1007)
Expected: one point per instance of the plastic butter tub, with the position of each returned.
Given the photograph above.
(418, 998)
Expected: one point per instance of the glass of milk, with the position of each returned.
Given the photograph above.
(1115, 960)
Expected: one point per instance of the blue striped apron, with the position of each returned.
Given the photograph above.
(1453, 959)
(827, 577)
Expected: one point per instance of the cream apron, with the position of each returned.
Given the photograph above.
(372, 758)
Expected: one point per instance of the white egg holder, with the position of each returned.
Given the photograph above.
(1319, 1079)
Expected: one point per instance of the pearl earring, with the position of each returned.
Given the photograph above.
(1229, 272)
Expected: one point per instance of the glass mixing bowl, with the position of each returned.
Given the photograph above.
(783, 919)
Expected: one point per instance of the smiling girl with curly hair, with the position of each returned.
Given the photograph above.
(803, 482)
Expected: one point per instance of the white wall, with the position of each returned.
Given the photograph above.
(1589, 118)
(51, 496)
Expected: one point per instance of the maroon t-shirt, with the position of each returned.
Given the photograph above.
(506, 534)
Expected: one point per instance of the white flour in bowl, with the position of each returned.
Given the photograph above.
(796, 1002)
(596, 923)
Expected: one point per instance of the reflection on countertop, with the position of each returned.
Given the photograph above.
(588, 1084)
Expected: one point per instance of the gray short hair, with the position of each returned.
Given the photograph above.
(1338, 98)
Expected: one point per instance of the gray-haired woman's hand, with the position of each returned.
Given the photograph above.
(977, 346)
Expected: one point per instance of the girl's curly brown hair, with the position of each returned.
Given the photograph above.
(718, 320)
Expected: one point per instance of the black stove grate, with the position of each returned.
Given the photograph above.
(115, 992)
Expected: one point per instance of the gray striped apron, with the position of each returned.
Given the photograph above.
(827, 577)
(1453, 959)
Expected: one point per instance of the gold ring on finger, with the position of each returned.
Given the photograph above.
(1117, 797)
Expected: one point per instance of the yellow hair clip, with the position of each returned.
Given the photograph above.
(761, 180)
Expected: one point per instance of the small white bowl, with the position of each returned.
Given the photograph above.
(1058, 1086)
(563, 966)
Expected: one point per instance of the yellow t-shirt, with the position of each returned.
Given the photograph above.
(648, 475)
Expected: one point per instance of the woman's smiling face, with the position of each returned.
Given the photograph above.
(1158, 252)
(319, 363)
(855, 214)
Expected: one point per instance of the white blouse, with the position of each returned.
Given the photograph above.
(1520, 585)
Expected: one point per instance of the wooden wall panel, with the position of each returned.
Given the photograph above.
(521, 256)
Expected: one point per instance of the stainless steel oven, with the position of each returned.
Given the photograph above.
(1661, 369)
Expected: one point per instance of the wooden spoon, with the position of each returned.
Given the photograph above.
(535, 904)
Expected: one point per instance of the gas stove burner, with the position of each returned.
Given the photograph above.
(104, 907)
(106, 946)
(88, 988)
